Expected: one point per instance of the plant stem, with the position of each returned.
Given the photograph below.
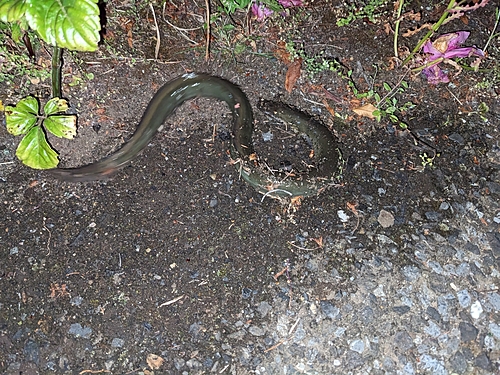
(492, 35)
(434, 28)
(56, 72)
(396, 28)
(392, 92)
(428, 65)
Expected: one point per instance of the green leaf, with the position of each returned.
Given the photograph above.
(21, 118)
(54, 106)
(71, 24)
(35, 152)
(404, 84)
(232, 5)
(16, 32)
(228, 27)
(272, 4)
(387, 87)
(12, 10)
(62, 126)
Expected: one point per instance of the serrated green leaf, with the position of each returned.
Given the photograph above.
(62, 126)
(21, 118)
(12, 10)
(35, 152)
(71, 24)
(55, 105)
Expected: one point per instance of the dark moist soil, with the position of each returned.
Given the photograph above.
(178, 257)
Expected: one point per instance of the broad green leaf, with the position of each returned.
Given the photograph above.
(28, 105)
(62, 126)
(21, 118)
(12, 10)
(35, 152)
(54, 106)
(71, 24)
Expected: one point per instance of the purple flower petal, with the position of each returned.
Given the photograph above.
(435, 75)
(460, 37)
(429, 48)
(260, 11)
(290, 3)
(463, 52)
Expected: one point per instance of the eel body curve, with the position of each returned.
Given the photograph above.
(192, 85)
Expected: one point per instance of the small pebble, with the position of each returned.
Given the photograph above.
(385, 219)
(357, 346)
(476, 309)
(464, 298)
(117, 342)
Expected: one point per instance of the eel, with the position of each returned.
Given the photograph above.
(193, 85)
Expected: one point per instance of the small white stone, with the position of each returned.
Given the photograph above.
(313, 308)
(342, 216)
(476, 309)
(379, 291)
(357, 346)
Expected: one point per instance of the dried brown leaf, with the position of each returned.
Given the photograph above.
(417, 30)
(292, 74)
(366, 110)
(328, 107)
(282, 54)
(154, 361)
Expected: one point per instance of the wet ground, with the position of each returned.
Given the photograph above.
(177, 266)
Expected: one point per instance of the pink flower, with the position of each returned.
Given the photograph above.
(290, 3)
(260, 11)
(435, 75)
(444, 48)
